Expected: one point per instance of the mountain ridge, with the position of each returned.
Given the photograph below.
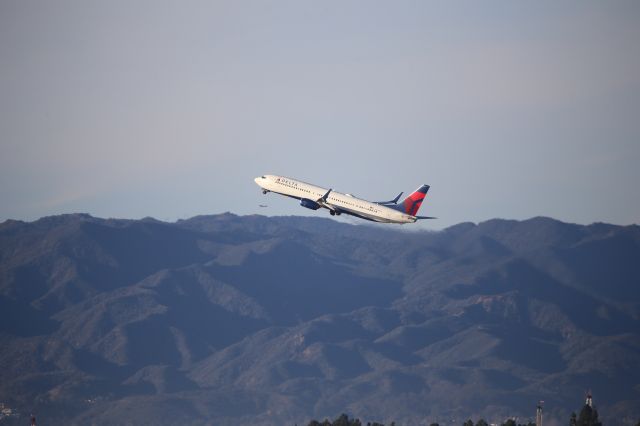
(269, 320)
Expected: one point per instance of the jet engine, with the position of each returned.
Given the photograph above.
(310, 204)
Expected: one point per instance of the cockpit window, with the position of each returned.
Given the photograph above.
(263, 177)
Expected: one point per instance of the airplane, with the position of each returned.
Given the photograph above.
(314, 197)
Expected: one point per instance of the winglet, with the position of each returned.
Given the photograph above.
(394, 201)
(324, 197)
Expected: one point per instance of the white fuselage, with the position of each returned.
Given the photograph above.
(336, 202)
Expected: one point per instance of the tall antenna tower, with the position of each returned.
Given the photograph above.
(539, 413)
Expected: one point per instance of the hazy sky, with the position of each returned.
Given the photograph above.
(170, 109)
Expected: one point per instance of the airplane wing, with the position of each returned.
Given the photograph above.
(394, 201)
(335, 210)
(323, 202)
(425, 217)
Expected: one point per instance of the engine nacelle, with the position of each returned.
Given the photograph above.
(310, 204)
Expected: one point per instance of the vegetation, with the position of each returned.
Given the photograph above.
(573, 420)
(344, 420)
(588, 417)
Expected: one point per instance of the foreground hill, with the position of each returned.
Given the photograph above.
(255, 320)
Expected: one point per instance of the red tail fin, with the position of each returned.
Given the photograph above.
(412, 203)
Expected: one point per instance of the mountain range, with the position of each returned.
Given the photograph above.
(231, 319)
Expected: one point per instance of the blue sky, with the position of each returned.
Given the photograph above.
(170, 109)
